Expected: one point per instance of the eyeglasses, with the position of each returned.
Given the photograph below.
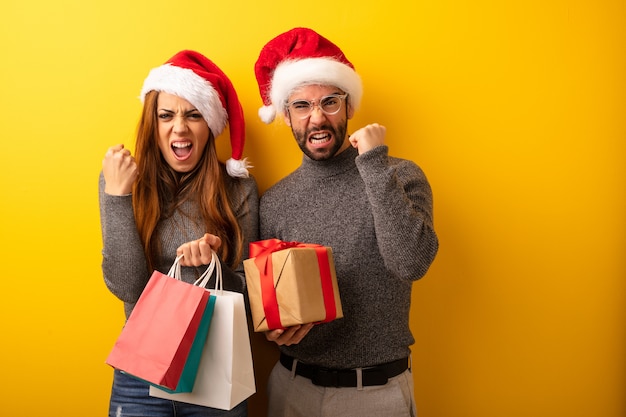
(329, 105)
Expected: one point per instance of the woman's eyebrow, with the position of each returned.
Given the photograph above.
(186, 111)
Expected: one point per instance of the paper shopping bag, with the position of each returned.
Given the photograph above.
(155, 343)
(188, 376)
(226, 375)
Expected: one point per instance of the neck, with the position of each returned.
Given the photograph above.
(341, 162)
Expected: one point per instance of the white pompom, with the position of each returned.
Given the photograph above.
(238, 168)
(267, 114)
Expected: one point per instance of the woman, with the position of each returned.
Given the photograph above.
(175, 197)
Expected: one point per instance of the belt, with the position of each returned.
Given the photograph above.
(325, 377)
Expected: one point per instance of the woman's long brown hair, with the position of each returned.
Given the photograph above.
(159, 191)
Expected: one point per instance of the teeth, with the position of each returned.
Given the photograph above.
(181, 144)
(318, 138)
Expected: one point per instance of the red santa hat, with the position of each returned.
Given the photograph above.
(302, 57)
(192, 76)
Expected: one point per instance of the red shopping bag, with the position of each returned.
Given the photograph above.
(155, 342)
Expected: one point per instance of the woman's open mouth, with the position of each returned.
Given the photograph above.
(182, 150)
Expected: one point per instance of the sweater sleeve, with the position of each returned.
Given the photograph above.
(124, 264)
(402, 207)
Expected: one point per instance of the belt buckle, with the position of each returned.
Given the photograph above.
(337, 379)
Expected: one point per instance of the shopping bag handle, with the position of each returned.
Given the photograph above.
(216, 266)
(203, 280)
(174, 271)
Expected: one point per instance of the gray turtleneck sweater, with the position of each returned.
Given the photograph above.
(124, 264)
(375, 212)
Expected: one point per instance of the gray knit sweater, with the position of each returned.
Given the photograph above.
(375, 212)
(124, 264)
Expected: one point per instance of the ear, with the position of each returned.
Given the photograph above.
(287, 118)
(350, 111)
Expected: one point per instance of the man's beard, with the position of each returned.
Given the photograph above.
(338, 137)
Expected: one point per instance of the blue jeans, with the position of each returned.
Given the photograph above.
(130, 398)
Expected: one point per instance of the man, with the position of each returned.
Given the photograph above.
(373, 210)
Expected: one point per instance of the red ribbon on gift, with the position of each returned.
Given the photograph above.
(262, 252)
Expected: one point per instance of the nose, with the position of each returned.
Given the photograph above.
(180, 124)
(316, 113)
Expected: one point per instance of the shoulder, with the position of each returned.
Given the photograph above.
(379, 159)
(406, 165)
(282, 187)
(241, 183)
(241, 190)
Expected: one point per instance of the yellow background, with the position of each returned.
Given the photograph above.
(515, 110)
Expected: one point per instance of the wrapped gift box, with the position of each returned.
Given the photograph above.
(291, 283)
